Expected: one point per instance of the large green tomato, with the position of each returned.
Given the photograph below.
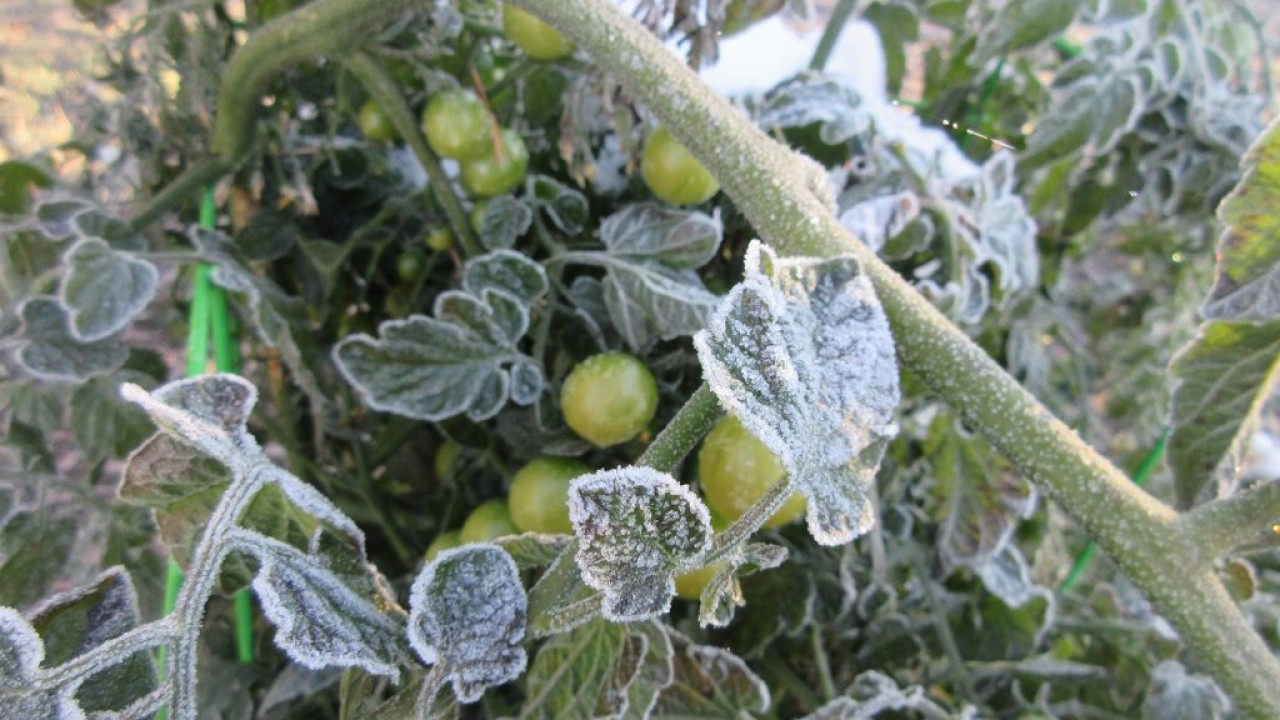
(539, 40)
(491, 175)
(491, 519)
(673, 173)
(609, 398)
(539, 497)
(736, 470)
(457, 125)
(375, 124)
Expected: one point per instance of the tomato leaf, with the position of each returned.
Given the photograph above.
(811, 98)
(1175, 694)
(51, 350)
(678, 238)
(455, 363)
(636, 527)
(710, 683)
(21, 653)
(104, 288)
(504, 221)
(467, 613)
(801, 352)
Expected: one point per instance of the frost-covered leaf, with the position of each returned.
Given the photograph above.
(455, 363)
(1247, 286)
(650, 289)
(635, 527)
(1176, 694)
(467, 613)
(79, 620)
(510, 272)
(533, 550)
(811, 98)
(710, 683)
(35, 548)
(104, 288)
(1007, 576)
(572, 675)
(873, 693)
(655, 673)
(566, 207)
(801, 352)
(504, 221)
(648, 299)
(1023, 23)
(1221, 379)
(51, 351)
(21, 654)
(984, 498)
(878, 219)
(1096, 112)
(207, 412)
(180, 484)
(723, 594)
(678, 238)
(320, 621)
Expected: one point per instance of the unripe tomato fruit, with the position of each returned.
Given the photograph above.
(409, 265)
(673, 173)
(477, 216)
(691, 584)
(440, 239)
(539, 40)
(491, 519)
(375, 124)
(491, 175)
(539, 497)
(609, 398)
(456, 124)
(736, 470)
(444, 541)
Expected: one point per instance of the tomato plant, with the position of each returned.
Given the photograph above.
(609, 398)
(830, 404)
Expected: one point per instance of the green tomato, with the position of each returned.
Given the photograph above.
(457, 125)
(539, 497)
(691, 584)
(446, 540)
(445, 459)
(375, 124)
(673, 173)
(539, 40)
(491, 175)
(477, 216)
(736, 470)
(491, 519)
(440, 239)
(409, 265)
(609, 398)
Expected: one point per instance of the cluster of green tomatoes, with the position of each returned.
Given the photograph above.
(609, 399)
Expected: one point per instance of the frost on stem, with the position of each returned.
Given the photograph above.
(636, 527)
(800, 351)
(467, 613)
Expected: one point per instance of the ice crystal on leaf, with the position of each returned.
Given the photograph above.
(467, 613)
(636, 527)
(208, 413)
(21, 653)
(800, 351)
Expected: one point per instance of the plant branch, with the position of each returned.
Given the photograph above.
(780, 195)
(679, 437)
(186, 185)
(1245, 519)
(384, 91)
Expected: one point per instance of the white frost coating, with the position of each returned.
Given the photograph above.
(636, 527)
(506, 270)
(208, 412)
(314, 503)
(320, 622)
(679, 238)
(467, 612)
(1175, 694)
(21, 651)
(801, 352)
(878, 219)
(1007, 576)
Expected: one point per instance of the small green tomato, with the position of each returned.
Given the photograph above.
(673, 173)
(491, 519)
(539, 497)
(609, 398)
(539, 40)
(493, 175)
(456, 124)
(735, 470)
(440, 239)
(445, 459)
(375, 124)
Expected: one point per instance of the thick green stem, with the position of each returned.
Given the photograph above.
(385, 91)
(186, 185)
(321, 27)
(778, 192)
(684, 431)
